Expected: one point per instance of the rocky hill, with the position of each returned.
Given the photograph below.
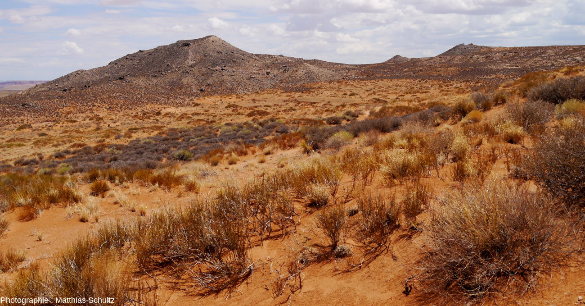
(176, 73)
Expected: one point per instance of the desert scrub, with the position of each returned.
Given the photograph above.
(510, 132)
(3, 226)
(463, 107)
(473, 117)
(399, 163)
(331, 222)
(570, 107)
(459, 147)
(90, 267)
(491, 238)
(99, 188)
(379, 218)
(416, 201)
(557, 163)
(183, 155)
(315, 171)
(9, 260)
(36, 191)
(338, 140)
(559, 90)
(318, 195)
(531, 116)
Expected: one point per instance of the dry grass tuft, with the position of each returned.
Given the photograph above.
(99, 188)
(318, 195)
(416, 201)
(35, 192)
(3, 226)
(9, 260)
(331, 222)
(492, 238)
(510, 132)
(571, 107)
(379, 218)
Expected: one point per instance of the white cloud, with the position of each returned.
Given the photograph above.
(352, 31)
(73, 32)
(70, 47)
(21, 15)
(217, 23)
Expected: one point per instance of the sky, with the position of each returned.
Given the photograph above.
(45, 39)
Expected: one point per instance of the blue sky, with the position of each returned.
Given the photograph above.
(44, 39)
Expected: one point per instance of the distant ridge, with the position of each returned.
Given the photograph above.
(18, 85)
(174, 74)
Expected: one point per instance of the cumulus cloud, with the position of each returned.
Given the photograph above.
(70, 47)
(351, 31)
(217, 23)
(21, 15)
(73, 32)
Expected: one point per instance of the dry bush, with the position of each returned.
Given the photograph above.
(530, 81)
(331, 222)
(213, 236)
(478, 167)
(499, 98)
(459, 147)
(359, 164)
(192, 185)
(27, 283)
(559, 90)
(36, 191)
(379, 218)
(531, 116)
(183, 155)
(166, 179)
(473, 117)
(415, 202)
(338, 140)
(318, 195)
(285, 141)
(88, 268)
(440, 144)
(570, 107)
(463, 107)
(270, 204)
(510, 132)
(316, 171)
(99, 188)
(3, 226)
(400, 163)
(482, 101)
(557, 163)
(10, 259)
(232, 159)
(479, 130)
(491, 238)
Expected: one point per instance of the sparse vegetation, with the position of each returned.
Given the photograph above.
(10, 259)
(531, 116)
(331, 222)
(416, 201)
(99, 188)
(559, 90)
(495, 238)
(35, 192)
(557, 163)
(379, 218)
